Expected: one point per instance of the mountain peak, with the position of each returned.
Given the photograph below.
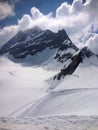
(33, 40)
(47, 46)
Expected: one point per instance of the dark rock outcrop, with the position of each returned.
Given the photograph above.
(71, 67)
(75, 60)
(86, 52)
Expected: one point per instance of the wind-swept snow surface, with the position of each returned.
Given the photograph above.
(23, 90)
(76, 94)
(56, 122)
(20, 85)
(68, 102)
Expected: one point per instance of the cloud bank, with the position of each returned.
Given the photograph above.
(79, 20)
(92, 43)
(7, 8)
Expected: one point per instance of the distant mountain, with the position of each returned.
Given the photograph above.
(34, 42)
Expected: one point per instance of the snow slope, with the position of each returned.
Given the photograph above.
(30, 93)
(20, 85)
(27, 92)
(74, 95)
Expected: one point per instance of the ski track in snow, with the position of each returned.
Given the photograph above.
(37, 105)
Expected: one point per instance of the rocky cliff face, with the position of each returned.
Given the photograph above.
(74, 61)
(71, 67)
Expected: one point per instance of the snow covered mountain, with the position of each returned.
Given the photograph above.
(35, 40)
(46, 47)
(60, 75)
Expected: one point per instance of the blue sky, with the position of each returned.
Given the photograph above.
(23, 7)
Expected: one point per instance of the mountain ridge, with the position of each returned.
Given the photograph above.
(35, 41)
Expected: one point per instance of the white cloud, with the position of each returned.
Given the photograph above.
(77, 6)
(92, 43)
(36, 13)
(63, 10)
(25, 22)
(7, 33)
(79, 20)
(5, 10)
